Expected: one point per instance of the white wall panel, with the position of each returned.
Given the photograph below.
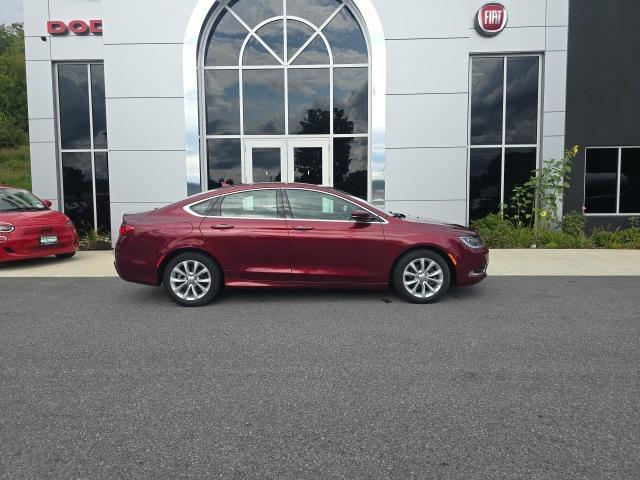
(527, 13)
(144, 70)
(450, 211)
(67, 10)
(44, 172)
(558, 12)
(555, 81)
(557, 38)
(509, 40)
(552, 148)
(423, 18)
(76, 47)
(146, 124)
(36, 49)
(553, 123)
(147, 176)
(427, 66)
(427, 120)
(426, 174)
(39, 89)
(147, 22)
(42, 130)
(36, 14)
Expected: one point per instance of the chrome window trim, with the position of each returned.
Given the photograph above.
(187, 208)
(371, 25)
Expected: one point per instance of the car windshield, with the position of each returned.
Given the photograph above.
(15, 200)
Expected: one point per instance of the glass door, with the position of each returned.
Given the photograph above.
(308, 162)
(299, 160)
(265, 161)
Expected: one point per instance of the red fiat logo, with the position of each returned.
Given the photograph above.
(492, 18)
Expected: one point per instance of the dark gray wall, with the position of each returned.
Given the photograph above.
(603, 84)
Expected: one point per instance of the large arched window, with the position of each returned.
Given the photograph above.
(285, 94)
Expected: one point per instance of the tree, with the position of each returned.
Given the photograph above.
(14, 125)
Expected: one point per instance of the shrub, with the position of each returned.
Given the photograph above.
(93, 239)
(573, 223)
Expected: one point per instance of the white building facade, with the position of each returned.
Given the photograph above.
(405, 103)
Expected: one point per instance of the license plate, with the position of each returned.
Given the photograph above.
(47, 240)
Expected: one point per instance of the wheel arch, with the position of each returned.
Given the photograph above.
(435, 249)
(178, 251)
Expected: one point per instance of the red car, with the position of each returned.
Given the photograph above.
(293, 235)
(30, 229)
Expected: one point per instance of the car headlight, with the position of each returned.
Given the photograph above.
(472, 242)
(70, 223)
(6, 228)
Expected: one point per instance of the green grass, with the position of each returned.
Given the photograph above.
(15, 169)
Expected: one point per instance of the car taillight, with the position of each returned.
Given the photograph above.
(126, 229)
(6, 228)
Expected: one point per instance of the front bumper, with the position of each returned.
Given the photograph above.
(472, 267)
(24, 247)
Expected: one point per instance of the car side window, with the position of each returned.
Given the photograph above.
(203, 208)
(310, 205)
(250, 204)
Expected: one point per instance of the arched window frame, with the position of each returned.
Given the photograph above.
(197, 32)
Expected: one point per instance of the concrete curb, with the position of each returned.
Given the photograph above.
(528, 262)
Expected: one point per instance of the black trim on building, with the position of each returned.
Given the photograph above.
(603, 87)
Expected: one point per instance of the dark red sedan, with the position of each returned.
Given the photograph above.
(29, 228)
(293, 235)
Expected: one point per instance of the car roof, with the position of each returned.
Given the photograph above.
(266, 185)
(261, 186)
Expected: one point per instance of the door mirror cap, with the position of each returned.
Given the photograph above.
(363, 216)
(47, 203)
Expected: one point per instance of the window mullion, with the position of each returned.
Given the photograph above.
(618, 180)
(504, 126)
(286, 70)
(92, 154)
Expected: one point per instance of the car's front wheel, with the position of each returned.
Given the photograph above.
(422, 276)
(192, 279)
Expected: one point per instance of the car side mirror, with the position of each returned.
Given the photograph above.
(362, 216)
(47, 203)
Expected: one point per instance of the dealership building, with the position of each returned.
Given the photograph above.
(435, 108)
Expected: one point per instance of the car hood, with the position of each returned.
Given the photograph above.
(40, 217)
(431, 223)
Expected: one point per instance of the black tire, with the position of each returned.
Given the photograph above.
(64, 256)
(215, 275)
(431, 282)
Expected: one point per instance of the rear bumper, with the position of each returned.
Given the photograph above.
(133, 262)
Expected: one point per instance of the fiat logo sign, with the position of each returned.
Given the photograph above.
(491, 19)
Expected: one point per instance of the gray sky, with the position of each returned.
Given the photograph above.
(10, 11)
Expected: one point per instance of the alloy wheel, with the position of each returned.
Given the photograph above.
(190, 280)
(423, 278)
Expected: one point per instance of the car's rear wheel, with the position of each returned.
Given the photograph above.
(62, 256)
(192, 279)
(422, 276)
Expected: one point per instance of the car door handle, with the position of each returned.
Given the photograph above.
(222, 226)
(303, 228)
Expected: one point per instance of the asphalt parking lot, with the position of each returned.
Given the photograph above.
(514, 378)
